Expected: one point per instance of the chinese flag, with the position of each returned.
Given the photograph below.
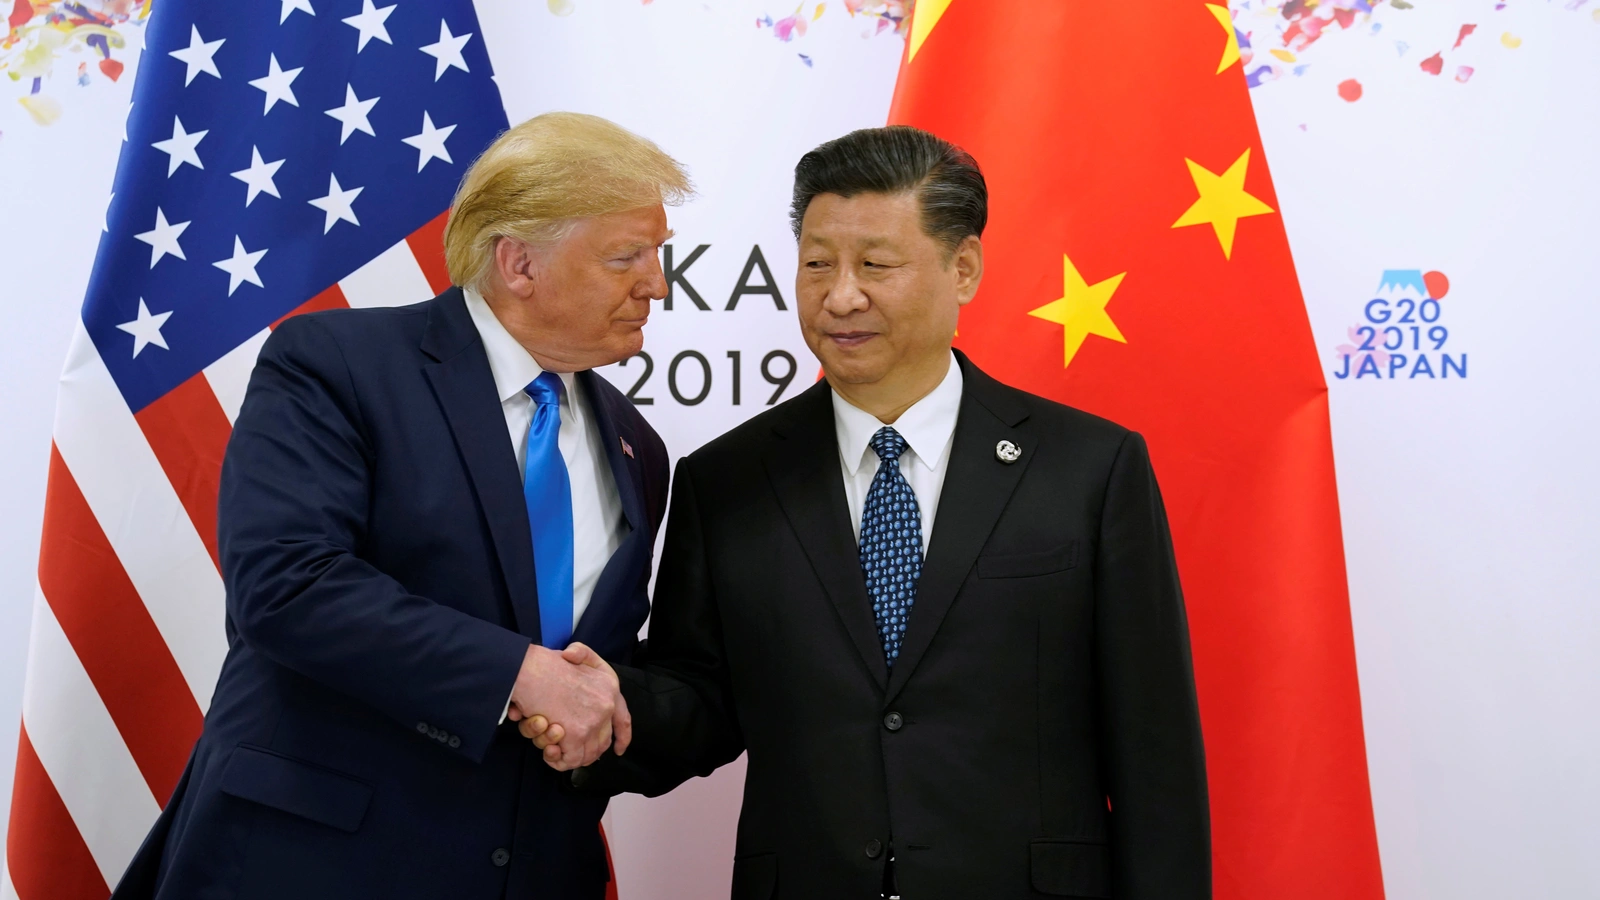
(1137, 267)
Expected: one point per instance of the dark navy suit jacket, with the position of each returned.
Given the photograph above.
(381, 596)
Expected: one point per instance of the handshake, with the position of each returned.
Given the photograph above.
(570, 705)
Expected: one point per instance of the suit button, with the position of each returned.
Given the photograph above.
(893, 721)
(455, 742)
(874, 848)
(500, 856)
(422, 728)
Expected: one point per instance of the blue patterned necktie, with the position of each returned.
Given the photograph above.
(548, 491)
(891, 543)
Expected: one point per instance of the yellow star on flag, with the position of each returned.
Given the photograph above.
(924, 16)
(1223, 201)
(1230, 53)
(1081, 309)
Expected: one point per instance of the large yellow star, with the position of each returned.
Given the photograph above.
(1230, 53)
(1223, 201)
(1081, 309)
(924, 16)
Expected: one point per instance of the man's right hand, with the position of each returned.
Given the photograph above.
(583, 698)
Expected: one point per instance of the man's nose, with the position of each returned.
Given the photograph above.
(845, 296)
(654, 283)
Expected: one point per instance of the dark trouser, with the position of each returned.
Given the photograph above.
(891, 890)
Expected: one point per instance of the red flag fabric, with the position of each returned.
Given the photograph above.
(1138, 268)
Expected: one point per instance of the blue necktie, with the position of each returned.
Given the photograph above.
(891, 543)
(548, 491)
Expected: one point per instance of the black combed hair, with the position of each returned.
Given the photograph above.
(948, 184)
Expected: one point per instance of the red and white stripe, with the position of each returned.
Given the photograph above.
(127, 637)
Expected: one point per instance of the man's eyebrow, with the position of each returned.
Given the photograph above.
(870, 243)
(636, 246)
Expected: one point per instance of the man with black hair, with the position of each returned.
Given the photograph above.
(941, 615)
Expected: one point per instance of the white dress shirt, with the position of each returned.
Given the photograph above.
(929, 428)
(598, 525)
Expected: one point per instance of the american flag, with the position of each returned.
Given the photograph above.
(282, 156)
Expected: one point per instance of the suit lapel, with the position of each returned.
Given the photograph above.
(633, 554)
(977, 487)
(624, 465)
(803, 466)
(466, 392)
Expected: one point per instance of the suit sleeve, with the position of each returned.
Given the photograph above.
(1153, 755)
(680, 694)
(292, 517)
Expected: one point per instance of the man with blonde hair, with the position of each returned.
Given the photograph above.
(420, 508)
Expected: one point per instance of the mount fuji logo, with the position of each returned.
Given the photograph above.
(1402, 334)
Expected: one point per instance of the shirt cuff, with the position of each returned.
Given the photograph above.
(507, 711)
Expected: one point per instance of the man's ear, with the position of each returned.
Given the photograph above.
(968, 265)
(513, 266)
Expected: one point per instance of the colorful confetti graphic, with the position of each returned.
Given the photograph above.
(51, 44)
(1276, 36)
(880, 16)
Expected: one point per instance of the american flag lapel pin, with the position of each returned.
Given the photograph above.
(625, 446)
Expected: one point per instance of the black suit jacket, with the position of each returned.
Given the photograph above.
(381, 595)
(1039, 734)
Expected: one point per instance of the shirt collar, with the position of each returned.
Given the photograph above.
(928, 426)
(510, 363)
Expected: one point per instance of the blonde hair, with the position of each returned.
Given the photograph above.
(536, 180)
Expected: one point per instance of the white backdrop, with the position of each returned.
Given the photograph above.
(1470, 505)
